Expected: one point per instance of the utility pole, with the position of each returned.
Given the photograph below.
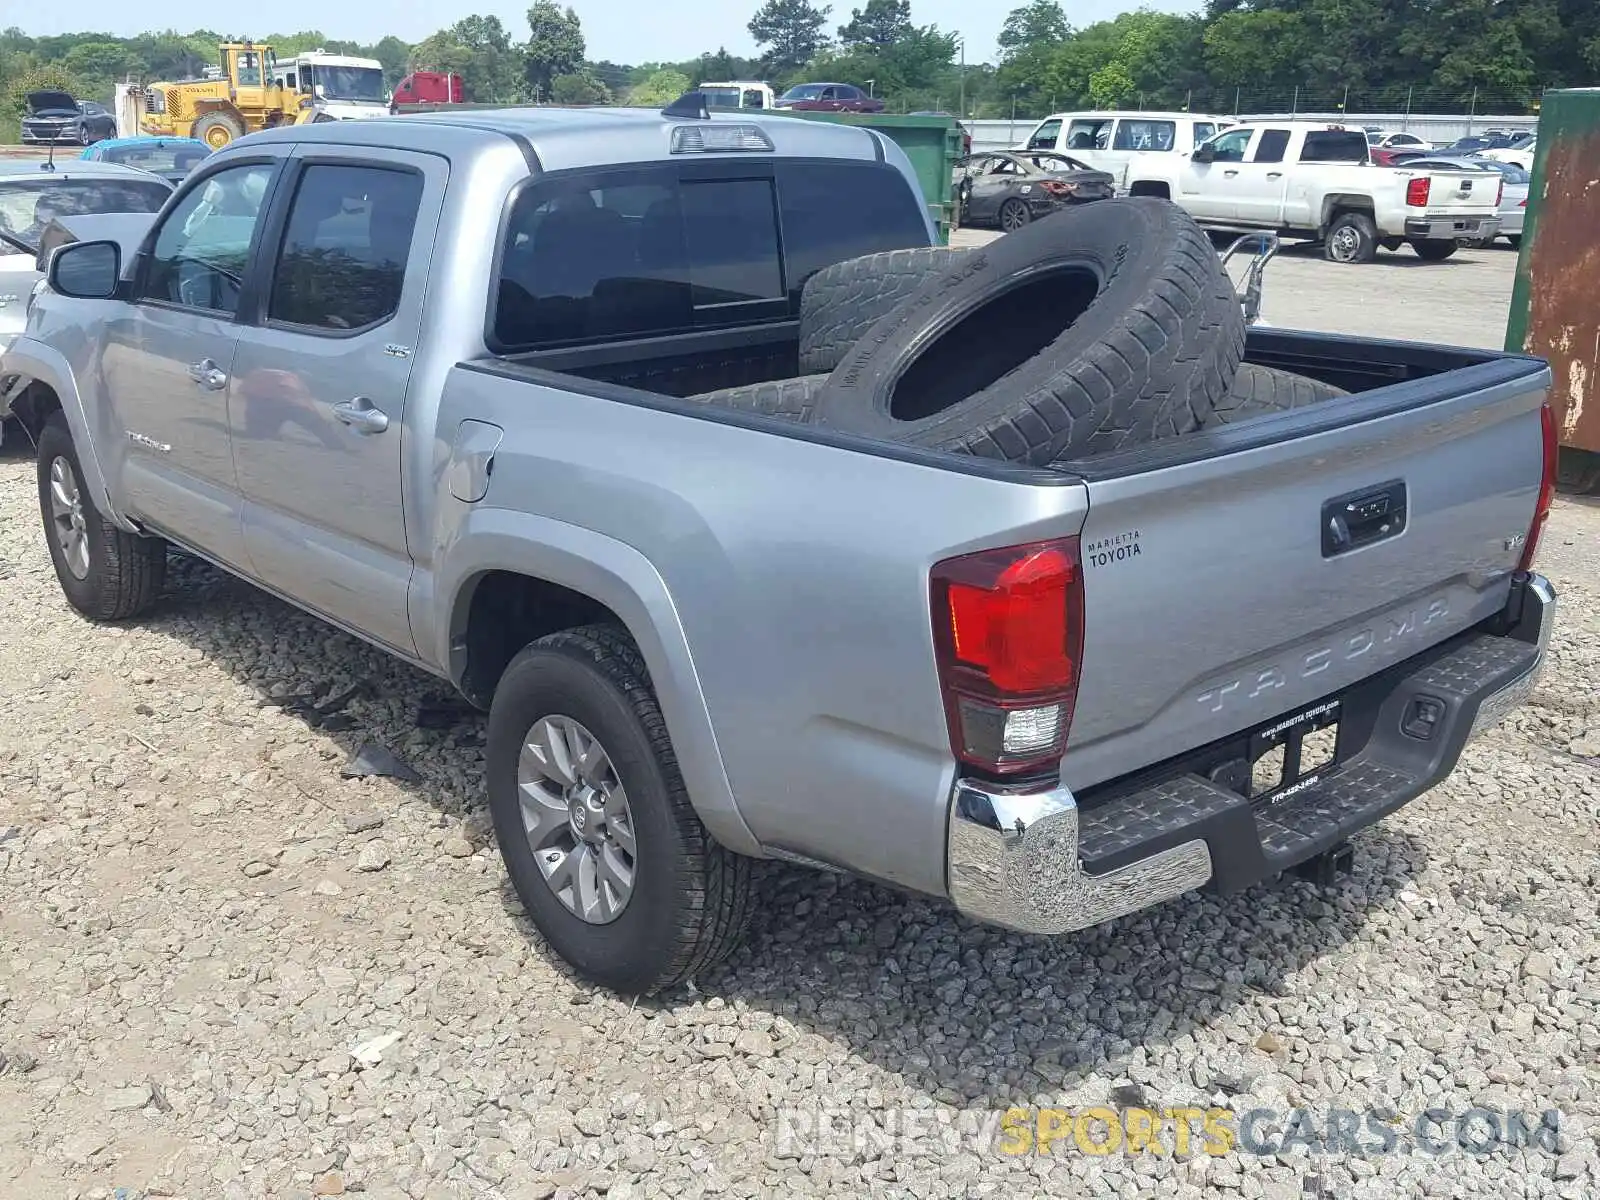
(961, 110)
(1473, 112)
(1295, 110)
(1406, 124)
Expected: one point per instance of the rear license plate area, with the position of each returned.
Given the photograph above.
(1292, 754)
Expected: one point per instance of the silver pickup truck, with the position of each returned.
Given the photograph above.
(430, 378)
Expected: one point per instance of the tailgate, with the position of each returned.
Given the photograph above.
(1457, 193)
(1238, 575)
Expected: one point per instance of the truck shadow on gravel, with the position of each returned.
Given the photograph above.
(965, 1013)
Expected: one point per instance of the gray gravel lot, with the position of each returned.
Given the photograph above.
(201, 921)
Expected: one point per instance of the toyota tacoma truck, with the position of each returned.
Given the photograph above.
(1315, 181)
(431, 378)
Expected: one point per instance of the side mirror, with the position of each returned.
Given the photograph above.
(86, 270)
(1204, 154)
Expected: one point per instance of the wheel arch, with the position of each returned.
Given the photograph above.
(1336, 203)
(1150, 187)
(50, 387)
(512, 578)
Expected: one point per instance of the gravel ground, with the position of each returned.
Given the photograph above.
(226, 971)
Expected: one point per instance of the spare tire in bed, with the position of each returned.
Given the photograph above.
(1261, 391)
(791, 399)
(840, 303)
(1094, 329)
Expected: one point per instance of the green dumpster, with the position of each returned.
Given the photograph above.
(1554, 313)
(933, 144)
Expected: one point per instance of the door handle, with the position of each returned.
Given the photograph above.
(362, 415)
(208, 375)
(1230, 174)
(1274, 174)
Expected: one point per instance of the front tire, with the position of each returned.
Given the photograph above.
(1514, 240)
(217, 129)
(1352, 238)
(85, 138)
(105, 573)
(594, 821)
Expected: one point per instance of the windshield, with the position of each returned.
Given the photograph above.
(1374, 138)
(157, 157)
(804, 91)
(344, 83)
(26, 207)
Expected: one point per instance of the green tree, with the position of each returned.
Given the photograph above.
(717, 67)
(878, 26)
(579, 88)
(1041, 23)
(791, 31)
(659, 89)
(1254, 46)
(393, 54)
(478, 49)
(555, 46)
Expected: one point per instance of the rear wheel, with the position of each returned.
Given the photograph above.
(1352, 238)
(1014, 214)
(217, 129)
(1514, 240)
(1434, 249)
(105, 573)
(594, 821)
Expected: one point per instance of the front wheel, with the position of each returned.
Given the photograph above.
(85, 137)
(1514, 240)
(105, 573)
(1434, 249)
(1352, 238)
(1014, 214)
(594, 822)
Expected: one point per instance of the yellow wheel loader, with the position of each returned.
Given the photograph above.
(235, 98)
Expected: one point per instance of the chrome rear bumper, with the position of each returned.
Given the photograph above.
(1034, 862)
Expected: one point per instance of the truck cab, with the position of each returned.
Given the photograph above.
(1110, 140)
(343, 87)
(737, 94)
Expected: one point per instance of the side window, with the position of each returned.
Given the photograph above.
(754, 99)
(1230, 146)
(249, 69)
(1144, 135)
(1085, 135)
(201, 250)
(1044, 137)
(1271, 146)
(343, 257)
(1202, 130)
(1334, 145)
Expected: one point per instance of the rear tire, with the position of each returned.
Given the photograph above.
(1261, 391)
(106, 573)
(1014, 214)
(688, 899)
(1514, 240)
(1351, 239)
(1434, 249)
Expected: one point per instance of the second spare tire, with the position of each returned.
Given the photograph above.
(840, 303)
(1095, 329)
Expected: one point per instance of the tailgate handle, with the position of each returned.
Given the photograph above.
(1359, 519)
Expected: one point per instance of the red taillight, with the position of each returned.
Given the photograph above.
(1522, 204)
(1417, 191)
(1008, 630)
(1057, 187)
(1547, 487)
(1500, 193)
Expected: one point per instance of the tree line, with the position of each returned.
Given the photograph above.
(1238, 55)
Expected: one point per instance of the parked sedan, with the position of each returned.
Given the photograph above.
(55, 117)
(1513, 198)
(828, 97)
(172, 158)
(1012, 188)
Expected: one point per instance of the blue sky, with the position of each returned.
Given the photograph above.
(628, 31)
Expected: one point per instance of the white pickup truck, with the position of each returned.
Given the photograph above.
(1312, 180)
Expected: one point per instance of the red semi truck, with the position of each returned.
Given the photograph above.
(428, 87)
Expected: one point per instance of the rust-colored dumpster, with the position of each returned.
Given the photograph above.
(1555, 306)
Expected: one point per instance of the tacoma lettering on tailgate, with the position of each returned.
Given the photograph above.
(1395, 627)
